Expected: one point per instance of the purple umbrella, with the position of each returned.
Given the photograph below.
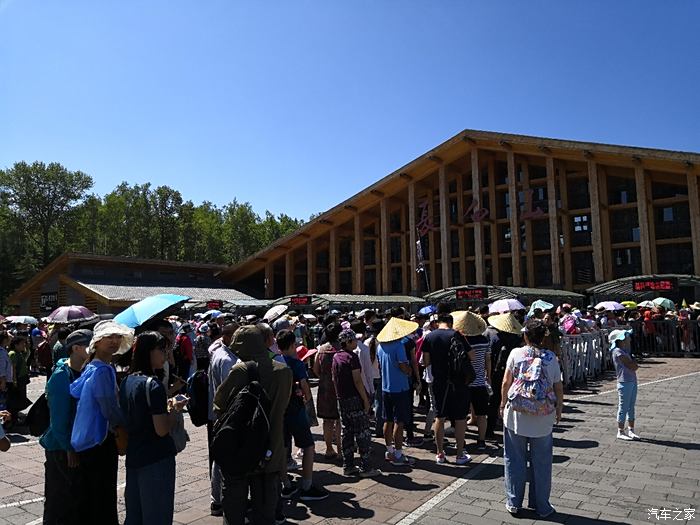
(70, 314)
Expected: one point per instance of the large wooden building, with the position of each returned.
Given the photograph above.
(494, 208)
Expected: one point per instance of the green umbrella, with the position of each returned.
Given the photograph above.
(664, 303)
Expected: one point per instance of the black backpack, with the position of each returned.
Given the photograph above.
(241, 436)
(39, 417)
(198, 392)
(459, 367)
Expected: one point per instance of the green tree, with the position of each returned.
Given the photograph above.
(41, 196)
(166, 203)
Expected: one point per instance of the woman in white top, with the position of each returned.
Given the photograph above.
(373, 367)
(532, 399)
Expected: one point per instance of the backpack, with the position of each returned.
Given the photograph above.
(39, 417)
(177, 432)
(198, 392)
(241, 435)
(459, 367)
(531, 392)
(43, 355)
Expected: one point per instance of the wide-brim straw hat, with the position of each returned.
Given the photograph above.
(506, 323)
(468, 323)
(396, 329)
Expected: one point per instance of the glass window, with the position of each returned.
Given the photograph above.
(452, 186)
(540, 234)
(396, 280)
(438, 276)
(577, 190)
(543, 270)
(672, 222)
(502, 204)
(539, 198)
(487, 239)
(621, 190)
(322, 259)
(454, 243)
(322, 283)
(582, 267)
(345, 282)
(506, 271)
(664, 190)
(469, 241)
(627, 262)
(395, 249)
(537, 172)
(454, 217)
(345, 257)
(395, 222)
(488, 272)
(504, 240)
(484, 177)
(581, 230)
(675, 258)
(501, 172)
(369, 252)
(455, 274)
(624, 225)
(371, 282)
(470, 277)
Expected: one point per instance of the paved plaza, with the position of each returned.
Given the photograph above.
(597, 479)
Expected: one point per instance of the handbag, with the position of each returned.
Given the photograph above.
(177, 432)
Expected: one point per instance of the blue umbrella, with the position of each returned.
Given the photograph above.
(427, 310)
(148, 308)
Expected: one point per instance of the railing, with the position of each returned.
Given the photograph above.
(584, 356)
(666, 337)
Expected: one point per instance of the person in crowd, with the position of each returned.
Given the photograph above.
(363, 354)
(268, 334)
(354, 405)
(296, 423)
(150, 454)
(59, 350)
(201, 347)
(5, 443)
(532, 399)
(17, 390)
(264, 486)
(222, 360)
(63, 477)
(504, 334)
(473, 327)
(97, 416)
(6, 376)
(626, 369)
(395, 371)
(326, 399)
(372, 345)
(183, 352)
(451, 397)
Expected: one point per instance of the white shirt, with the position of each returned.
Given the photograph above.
(362, 352)
(221, 363)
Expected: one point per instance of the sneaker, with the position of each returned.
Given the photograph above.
(514, 511)
(632, 434)
(624, 437)
(440, 458)
(401, 459)
(463, 459)
(313, 494)
(351, 471)
(415, 442)
(388, 455)
(481, 446)
(217, 510)
(547, 514)
(288, 492)
(371, 473)
(292, 465)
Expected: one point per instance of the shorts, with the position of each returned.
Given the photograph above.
(451, 402)
(297, 426)
(397, 407)
(479, 397)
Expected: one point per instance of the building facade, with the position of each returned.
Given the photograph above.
(493, 208)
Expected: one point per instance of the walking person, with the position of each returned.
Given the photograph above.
(96, 418)
(63, 476)
(533, 398)
(626, 369)
(327, 400)
(17, 390)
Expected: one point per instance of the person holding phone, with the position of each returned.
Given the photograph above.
(150, 454)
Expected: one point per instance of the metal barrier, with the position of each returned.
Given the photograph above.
(584, 356)
(666, 337)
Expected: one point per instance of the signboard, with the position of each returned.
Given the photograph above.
(472, 294)
(215, 304)
(302, 300)
(655, 285)
(49, 301)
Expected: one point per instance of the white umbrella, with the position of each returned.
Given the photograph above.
(22, 319)
(275, 312)
(646, 304)
(610, 306)
(505, 305)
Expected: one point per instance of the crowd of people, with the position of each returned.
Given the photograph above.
(112, 390)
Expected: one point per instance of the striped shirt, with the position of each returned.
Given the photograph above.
(481, 347)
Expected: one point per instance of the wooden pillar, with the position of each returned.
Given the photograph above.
(566, 227)
(514, 212)
(643, 218)
(431, 251)
(694, 207)
(605, 225)
(478, 226)
(596, 232)
(412, 237)
(333, 261)
(310, 267)
(446, 259)
(269, 280)
(357, 257)
(384, 246)
(652, 224)
(462, 241)
(495, 260)
(289, 273)
(529, 244)
(553, 223)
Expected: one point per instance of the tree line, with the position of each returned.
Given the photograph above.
(46, 210)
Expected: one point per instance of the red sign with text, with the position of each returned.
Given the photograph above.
(655, 285)
(473, 293)
(214, 305)
(303, 300)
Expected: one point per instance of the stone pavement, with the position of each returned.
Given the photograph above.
(597, 479)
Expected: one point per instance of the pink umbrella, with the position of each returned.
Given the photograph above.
(70, 314)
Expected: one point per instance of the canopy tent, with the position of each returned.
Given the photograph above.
(309, 302)
(640, 288)
(493, 293)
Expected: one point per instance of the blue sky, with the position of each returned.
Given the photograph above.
(295, 106)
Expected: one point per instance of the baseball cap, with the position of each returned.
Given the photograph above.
(80, 337)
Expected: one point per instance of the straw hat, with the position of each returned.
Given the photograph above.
(506, 323)
(468, 323)
(396, 329)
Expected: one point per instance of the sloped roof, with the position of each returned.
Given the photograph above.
(507, 292)
(622, 290)
(350, 300)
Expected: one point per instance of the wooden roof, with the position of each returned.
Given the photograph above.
(654, 159)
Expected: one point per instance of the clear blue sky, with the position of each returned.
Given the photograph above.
(296, 105)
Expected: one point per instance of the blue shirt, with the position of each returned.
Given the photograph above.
(390, 355)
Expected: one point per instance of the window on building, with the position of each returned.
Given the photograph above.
(501, 172)
(577, 191)
(345, 255)
(487, 239)
(675, 258)
(395, 222)
(469, 241)
(621, 190)
(583, 271)
(666, 190)
(627, 262)
(322, 259)
(369, 252)
(322, 283)
(452, 186)
(504, 238)
(456, 277)
(540, 234)
(543, 270)
(397, 280)
(506, 271)
(470, 275)
(454, 243)
(502, 204)
(454, 216)
(672, 222)
(345, 282)
(371, 282)
(624, 225)
(395, 249)
(581, 230)
(537, 172)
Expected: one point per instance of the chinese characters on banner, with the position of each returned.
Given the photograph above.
(655, 285)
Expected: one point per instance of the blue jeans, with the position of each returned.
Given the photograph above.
(150, 493)
(515, 457)
(627, 397)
